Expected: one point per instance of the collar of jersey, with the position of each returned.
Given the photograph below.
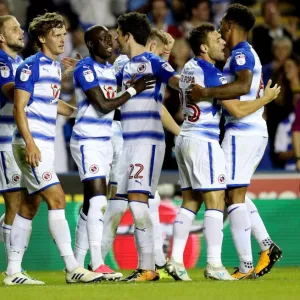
(41, 54)
(3, 52)
(138, 56)
(243, 44)
(203, 62)
(106, 65)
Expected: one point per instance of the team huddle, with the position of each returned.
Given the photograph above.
(118, 144)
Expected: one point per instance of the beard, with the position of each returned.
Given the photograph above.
(15, 47)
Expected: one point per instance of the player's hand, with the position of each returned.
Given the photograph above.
(69, 62)
(168, 48)
(194, 93)
(143, 83)
(33, 155)
(271, 93)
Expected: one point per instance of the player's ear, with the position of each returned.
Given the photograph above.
(152, 46)
(89, 44)
(2, 39)
(42, 39)
(203, 48)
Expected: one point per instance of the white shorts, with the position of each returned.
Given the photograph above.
(140, 168)
(117, 144)
(201, 164)
(40, 178)
(242, 154)
(10, 173)
(92, 161)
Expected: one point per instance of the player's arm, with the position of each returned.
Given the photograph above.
(65, 109)
(9, 90)
(240, 109)
(174, 82)
(96, 96)
(7, 80)
(33, 154)
(241, 86)
(168, 122)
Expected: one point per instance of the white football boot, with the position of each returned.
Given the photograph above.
(81, 275)
(217, 273)
(20, 279)
(177, 270)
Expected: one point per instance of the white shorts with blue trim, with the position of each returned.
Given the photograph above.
(201, 164)
(93, 160)
(40, 178)
(242, 154)
(10, 173)
(140, 168)
(117, 144)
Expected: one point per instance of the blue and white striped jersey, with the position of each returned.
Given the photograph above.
(202, 119)
(120, 61)
(40, 76)
(141, 114)
(244, 57)
(91, 125)
(8, 67)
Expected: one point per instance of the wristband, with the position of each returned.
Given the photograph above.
(131, 91)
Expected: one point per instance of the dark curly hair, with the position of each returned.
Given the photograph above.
(43, 24)
(136, 24)
(241, 15)
(198, 36)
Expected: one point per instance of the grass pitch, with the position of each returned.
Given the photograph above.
(281, 283)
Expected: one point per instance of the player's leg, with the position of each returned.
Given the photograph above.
(12, 202)
(19, 240)
(145, 162)
(240, 153)
(1, 229)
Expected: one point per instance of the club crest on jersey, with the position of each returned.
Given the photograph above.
(141, 68)
(4, 71)
(47, 176)
(110, 92)
(223, 80)
(240, 59)
(168, 67)
(94, 169)
(88, 75)
(221, 179)
(15, 178)
(25, 73)
(56, 91)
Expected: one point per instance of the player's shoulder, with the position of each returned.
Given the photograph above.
(85, 63)
(120, 61)
(242, 52)
(31, 61)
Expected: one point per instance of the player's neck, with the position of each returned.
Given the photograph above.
(49, 54)
(9, 51)
(98, 59)
(136, 50)
(237, 37)
(207, 58)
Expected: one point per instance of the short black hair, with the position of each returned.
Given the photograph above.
(241, 15)
(198, 36)
(88, 35)
(136, 24)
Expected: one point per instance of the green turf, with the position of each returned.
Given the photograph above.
(281, 283)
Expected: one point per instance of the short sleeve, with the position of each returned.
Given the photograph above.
(85, 77)
(214, 78)
(242, 60)
(26, 76)
(6, 73)
(162, 69)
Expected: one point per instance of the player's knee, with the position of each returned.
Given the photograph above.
(57, 201)
(12, 206)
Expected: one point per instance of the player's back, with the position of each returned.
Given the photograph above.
(41, 77)
(91, 124)
(202, 119)
(8, 67)
(242, 57)
(141, 114)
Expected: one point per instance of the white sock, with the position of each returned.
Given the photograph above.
(213, 234)
(112, 217)
(1, 231)
(240, 227)
(81, 240)
(181, 230)
(143, 234)
(6, 237)
(60, 232)
(95, 220)
(20, 230)
(159, 256)
(258, 229)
